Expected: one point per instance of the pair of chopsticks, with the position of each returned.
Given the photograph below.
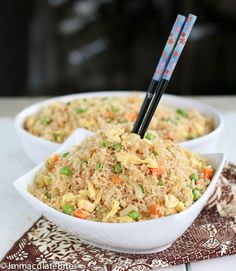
(164, 70)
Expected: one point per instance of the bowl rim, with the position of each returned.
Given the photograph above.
(20, 117)
(32, 199)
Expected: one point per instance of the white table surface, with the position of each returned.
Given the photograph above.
(17, 216)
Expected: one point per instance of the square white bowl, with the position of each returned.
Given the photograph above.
(139, 237)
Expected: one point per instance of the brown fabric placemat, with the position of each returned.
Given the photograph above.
(213, 234)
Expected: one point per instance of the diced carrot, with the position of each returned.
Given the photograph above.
(153, 209)
(81, 214)
(132, 116)
(116, 180)
(51, 168)
(159, 170)
(110, 114)
(53, 160)
(152, 170)
(208, 172)
(56, 157)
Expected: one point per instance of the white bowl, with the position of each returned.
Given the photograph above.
(38, 149)
(140, 237)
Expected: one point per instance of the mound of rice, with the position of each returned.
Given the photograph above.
(58, 120)
(115, 176)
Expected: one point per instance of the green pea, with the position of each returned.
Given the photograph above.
(114, 109)
(160, 182)
(194, 176)
(141, 188)
(57, 136)
(117, 147)
(81, 110)
(65, 154)
(49, 195)
(99, 166)
(68, 209)
(182, 112)
(134, 215)
(118, 168)
(66, 171)
(148, 136)
(172, 121)
(45, 120)
(105, 144)
(109, 120)
(189, 137)
(196, 194)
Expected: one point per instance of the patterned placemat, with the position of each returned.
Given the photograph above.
(213, 234)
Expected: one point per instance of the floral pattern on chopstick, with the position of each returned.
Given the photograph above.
(180, 46)
(174, 34)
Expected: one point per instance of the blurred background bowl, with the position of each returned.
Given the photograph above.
(38, 149)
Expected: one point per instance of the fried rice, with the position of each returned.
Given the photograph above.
(115, 176)
(58, 120)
